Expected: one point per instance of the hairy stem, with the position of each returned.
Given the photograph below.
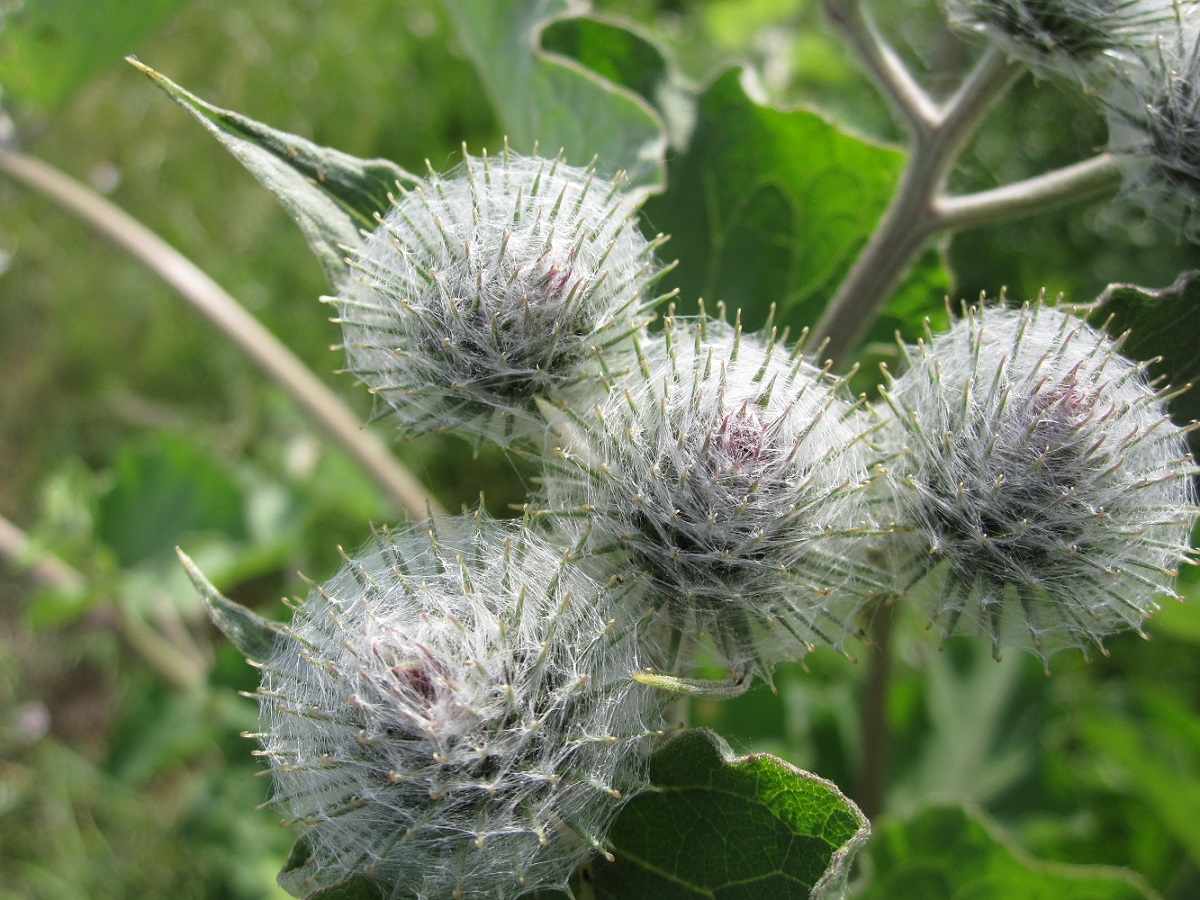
(1085, 180)
(175, 661)
(279, 363)
(876, 733)
(908, 99)
(911, 219)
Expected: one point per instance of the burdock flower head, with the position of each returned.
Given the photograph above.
(1039, 476)
(1154, 124)
(1063, 36)
(493, 285)
(453, 715)
(728, 473)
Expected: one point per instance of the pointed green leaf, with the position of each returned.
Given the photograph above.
(1161, 323)
(300, 878)
(725, 827)
(950, 854)
(246, 630)
(330, 195)
(772, 206)
(555, 101)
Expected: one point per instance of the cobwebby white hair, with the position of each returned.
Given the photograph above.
(487, 287)
(453, 714)
(1039, 477)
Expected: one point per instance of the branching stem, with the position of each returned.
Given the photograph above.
(920, 208)
(275, 359)
(1080, 181)
(938, 136)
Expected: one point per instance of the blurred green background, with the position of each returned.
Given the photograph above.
(129, 425)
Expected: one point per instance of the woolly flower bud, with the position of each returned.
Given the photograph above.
(729, 475)
(1154, 125)
(490, 286)
(1062, 36)
(1040, 476)
(454, 715)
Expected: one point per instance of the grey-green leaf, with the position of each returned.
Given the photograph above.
(300, 878)
(730, 828)
(633, 60)
(253, 635)
(771, 206)
(950, 854)
(1161, 323)
(555, 101)
(331, 195)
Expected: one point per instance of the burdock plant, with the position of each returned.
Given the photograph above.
(1153, 104)
(464, 708)
(495, 284)
(452, 714)
(727, 473)
(1063, 36)
(1037, 473)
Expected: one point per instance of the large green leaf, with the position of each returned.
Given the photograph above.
(626, 57)
(555, 101)
(164, 490)
(611, 50)
(950, 854)
(50, 48)
(1161, 323)
(719, 826)
(331, 195)
(771, 206)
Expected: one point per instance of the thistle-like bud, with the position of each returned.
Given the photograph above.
(491, 286)
(1063, 36)
(1038, 477)
(729, 473)
(1153, 108)
(453, 714)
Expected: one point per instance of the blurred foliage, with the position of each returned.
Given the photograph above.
(129, 426)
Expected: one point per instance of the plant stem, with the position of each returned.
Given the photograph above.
(175, 662)
(1081, 181)
(911, 219)
(907, 97)
(279, 363)
(876, 733)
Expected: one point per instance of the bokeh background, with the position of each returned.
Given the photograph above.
(129, 425)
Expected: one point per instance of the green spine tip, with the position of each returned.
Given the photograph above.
(695, 687)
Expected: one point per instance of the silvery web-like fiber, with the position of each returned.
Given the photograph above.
(453, 714)
(1039, 476)
(487, 287)
(1063, 36)
(1153, 107)
(728, 472)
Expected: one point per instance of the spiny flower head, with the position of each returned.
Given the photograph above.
(1038, 473)
(728, 473)
(490, 286)
(1154, 123)
(453, 714)
(1063, 36)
